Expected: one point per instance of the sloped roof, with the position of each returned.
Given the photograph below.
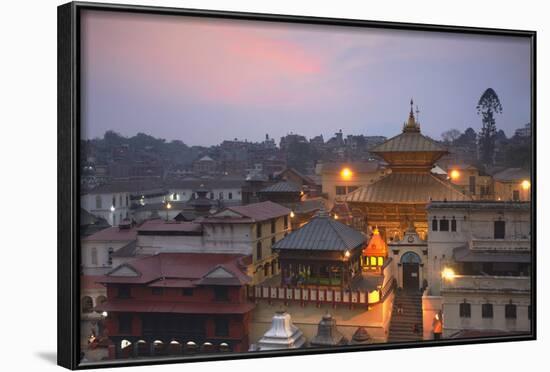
(113, 233)
(512, 174)
(132, 186)
(377, 246)
(411, 188)
(261, 211)
(322, 233)
(408, 142)
(283, 186)
(177, 266)
(357, 167)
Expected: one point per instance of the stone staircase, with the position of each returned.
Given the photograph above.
(402, 324)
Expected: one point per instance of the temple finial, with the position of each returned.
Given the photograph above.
(411, 125)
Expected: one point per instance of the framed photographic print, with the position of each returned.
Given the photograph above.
(237, 185)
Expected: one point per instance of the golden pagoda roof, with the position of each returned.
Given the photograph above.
(407, 188)
(377, 246)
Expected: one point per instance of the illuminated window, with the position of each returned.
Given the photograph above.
(380, 261)
(373, 261)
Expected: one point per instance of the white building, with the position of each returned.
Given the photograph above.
(479, 266)
(226, 189)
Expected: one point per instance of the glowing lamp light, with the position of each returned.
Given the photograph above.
(347, 254)
(346, 173)
(335, 216)
(292, 214)
(104, 314)
(454, 174)
(525, 184)
(168, 205)
(448, 273)
(112, 208)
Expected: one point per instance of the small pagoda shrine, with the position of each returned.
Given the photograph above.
(374, 255)
(361, 337)
(282, 334)
(328, 334)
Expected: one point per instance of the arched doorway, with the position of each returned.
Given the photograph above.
(410, 263)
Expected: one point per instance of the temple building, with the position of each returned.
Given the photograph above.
(177, 304)
(392, 202)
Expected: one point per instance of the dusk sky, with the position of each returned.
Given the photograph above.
(203, 81)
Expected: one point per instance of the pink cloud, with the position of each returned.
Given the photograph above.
(204, 60)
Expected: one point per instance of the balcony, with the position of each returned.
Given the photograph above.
(512, 245)
(479, 283)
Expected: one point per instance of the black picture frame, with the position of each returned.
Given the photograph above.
(69, 189)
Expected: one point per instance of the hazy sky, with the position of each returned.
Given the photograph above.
(203, 81)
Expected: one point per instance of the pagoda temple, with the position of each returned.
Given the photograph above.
(400, 198)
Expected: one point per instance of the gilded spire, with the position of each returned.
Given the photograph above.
(411, 125)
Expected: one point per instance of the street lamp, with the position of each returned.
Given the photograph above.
(454, 174)
(168, 206)
(448, 273)
(525, 184)
(112, 208)
(346, 173)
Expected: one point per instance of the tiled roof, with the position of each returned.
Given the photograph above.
(480, 205)
(182, 266)
(322, 233)
(309, 205)
(512, 174)
(113, 233)
(129, 250)
(169, 226)
(412, 188)
(261, 211)
(464, 254)
(283, 186)
(409, 142)
(357, 167)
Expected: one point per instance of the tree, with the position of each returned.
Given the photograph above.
(450, 136)
(487, 106)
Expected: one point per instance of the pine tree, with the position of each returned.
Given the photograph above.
(487, 107)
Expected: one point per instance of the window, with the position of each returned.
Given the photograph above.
(273, 241)
(211, 195)
(156, 291)
(453, 224)
(473, 185)
(286, 222)
(444, 224)
(500, 229)
(434, 224)
(98, 201)
(230, 196)
(94, 256)
(273, 226)
(221, 195)
(340, 190)
(87, 304)
(465, 310)
(221, 294)
(123, 292)
(258, 251)
(352, 188)
(510, 311)
(187, 292)
(110, 256)
(114, 201)
(515, 195)
(258, 230)
(380, 261)
(221, 328)
(127, 201)
(125, 323)
(120, 200)
(487, 311)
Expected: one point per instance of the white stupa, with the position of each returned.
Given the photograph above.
(282, 334)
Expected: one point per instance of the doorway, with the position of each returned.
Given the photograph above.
(410, 263)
